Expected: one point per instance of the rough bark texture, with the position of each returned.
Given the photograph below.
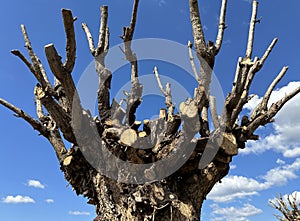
(180, 195)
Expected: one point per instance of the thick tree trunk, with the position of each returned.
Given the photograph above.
(176, 197)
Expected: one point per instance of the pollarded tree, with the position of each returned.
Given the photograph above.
(122, 169)
(289, 207)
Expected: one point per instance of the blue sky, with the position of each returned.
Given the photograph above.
(33, 188)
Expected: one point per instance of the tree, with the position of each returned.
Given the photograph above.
(288, 207)
(143, 192)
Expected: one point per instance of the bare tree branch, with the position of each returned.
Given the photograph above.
(89, 38)
(62, 119)
(252, 29)
(104, 75)
(102, 31)
(71, 42)
(167, 93)
(39, 107)
(61, 74)
(237, 76)
(192, 61)
(266, 98)
(222, 26)
(267, 117)
(268, 51)
(262, 107)
(213, 111)
(24, 59)
(39, 71)
(36, 125)
(199, 39)
(134, 99)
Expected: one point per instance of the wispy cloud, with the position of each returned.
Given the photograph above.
(49, 200)
(234, 213)
(79, 213)
(18, 199)
(160, 3)
(35, 184)
(238, 187)
(285, 137)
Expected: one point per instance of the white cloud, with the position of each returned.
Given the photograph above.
(233, 166)
(49, 200)
(238, 187)
(18, 199)
(233, 187)
(280, 161)
(285, 137)
(79, 213)
(282, 174)
(35, 183)
(234, 213)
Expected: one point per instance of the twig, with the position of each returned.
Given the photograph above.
(222, 27)
(155, 71)
(252, 29)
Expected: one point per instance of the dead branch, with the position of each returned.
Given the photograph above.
(36, 125)
(262, 106)
(61, 118)
(24, 59)
(251, 29)
(70, 42)
(222, 26)
(39, 71)
(199, 39)
(268, 51)
(213, 111)
(266, 118)
(135, 97)
(102, 31)
(39, 107)
(60, 72)
(167, 93)
(89, 38)
(99, 53)
(192, 61)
